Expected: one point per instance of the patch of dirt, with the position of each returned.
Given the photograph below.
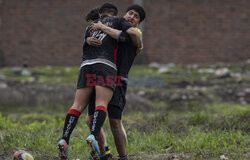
(32, 94)
(169, 156)
(236, 94)
(179, 100)
(135, 103)
(8, 154)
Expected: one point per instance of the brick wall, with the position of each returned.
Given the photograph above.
(197, 31)
(49, 32)
(45, 32)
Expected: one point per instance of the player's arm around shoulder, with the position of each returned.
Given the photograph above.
(114, 33)
(140, 47)
(135, 37)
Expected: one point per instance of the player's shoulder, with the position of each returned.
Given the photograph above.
(120, 19)
(112, 19)
(138, 30)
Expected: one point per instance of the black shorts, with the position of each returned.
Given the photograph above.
(116, 105)
(96, 75)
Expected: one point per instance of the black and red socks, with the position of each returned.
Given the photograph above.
(98, 120)
(70, 123)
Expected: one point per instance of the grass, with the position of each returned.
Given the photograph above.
(150, 133)
(44, 74)
(193, 131)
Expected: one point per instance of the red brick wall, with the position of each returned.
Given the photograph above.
(45, 32)
(49, 32)
(197, 31)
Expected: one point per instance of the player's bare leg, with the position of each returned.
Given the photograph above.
(80, 102)
(103, 96)
(120, 136)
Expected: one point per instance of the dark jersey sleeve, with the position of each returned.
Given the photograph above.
(120, 24)
(124, 38)
(124, 24)
(86, 35)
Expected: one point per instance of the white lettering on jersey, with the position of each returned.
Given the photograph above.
(108, 24)
(99, 35)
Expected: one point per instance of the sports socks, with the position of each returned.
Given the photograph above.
(98, 120)
(70, 123)
(107, 150)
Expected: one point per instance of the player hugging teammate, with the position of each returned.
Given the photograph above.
(110, 47)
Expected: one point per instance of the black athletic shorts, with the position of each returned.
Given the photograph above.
(97, 74)
(116, 105)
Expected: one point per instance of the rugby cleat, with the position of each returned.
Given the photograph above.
(108, 157)
(94, 148)
(63, 150)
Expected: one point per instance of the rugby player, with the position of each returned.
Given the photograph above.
(99, 62)
(126, 54)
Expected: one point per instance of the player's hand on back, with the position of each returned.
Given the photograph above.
(96, 26)
(94, 42)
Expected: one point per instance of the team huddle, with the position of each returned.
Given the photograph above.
(110, 46)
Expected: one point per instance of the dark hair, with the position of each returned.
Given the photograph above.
(108, 8)
(92, 15)
(138, 9)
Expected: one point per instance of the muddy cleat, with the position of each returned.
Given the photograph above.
(108, 157)
(63, 150)
(94, 148)
(108, 153)
(111, 157)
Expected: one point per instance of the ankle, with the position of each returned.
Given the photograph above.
(123, 157)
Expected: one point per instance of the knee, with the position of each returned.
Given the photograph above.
(101, 103)
(115, 124)
(79, 108)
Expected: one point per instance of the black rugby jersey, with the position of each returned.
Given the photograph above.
(106, 52)
(126, 55)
